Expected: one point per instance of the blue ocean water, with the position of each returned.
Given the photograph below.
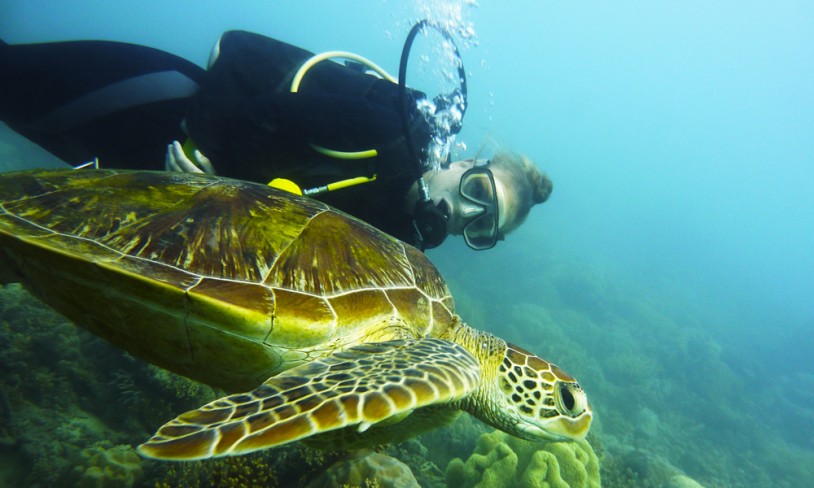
(672, 270)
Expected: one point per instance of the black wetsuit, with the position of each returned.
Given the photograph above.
(79, 100)
(240, 113)
(247, 121)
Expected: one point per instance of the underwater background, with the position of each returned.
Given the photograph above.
(671, 271)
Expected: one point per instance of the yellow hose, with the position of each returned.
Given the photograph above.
(318, 58)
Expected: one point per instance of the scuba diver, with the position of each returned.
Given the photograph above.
(348, 134)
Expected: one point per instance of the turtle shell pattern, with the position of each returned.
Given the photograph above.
(224, 281)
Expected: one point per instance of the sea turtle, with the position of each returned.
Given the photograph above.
(336, 331)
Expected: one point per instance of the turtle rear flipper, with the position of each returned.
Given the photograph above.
(362, 386)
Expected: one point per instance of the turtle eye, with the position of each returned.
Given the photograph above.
(571, 399)
(567, 398)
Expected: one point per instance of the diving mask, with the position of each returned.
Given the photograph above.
(481, 230)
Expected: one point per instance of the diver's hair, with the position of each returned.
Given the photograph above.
(529, 185)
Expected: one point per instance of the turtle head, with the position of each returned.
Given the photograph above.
(535, 399)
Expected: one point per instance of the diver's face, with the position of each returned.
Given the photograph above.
(444, 188)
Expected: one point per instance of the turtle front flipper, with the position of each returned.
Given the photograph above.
(360, 386)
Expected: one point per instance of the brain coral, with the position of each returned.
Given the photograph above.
(503, 461)
(367, 469)
(118, 467)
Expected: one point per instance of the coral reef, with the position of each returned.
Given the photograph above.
(681, 481)
(57, 386)
(228, 472)
(503, 461)
(7, 437)
(367, 469)
(38, 357)
(428, 455)
(640, 468)
(633, 347)
(292, 465)
(63, 391)
(117, 467)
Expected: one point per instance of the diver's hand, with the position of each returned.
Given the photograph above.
(176, 160)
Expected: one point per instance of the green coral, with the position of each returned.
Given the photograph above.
(286, 466)
(504, 461)
(118, 467)
(366, 469)
(256, 469)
